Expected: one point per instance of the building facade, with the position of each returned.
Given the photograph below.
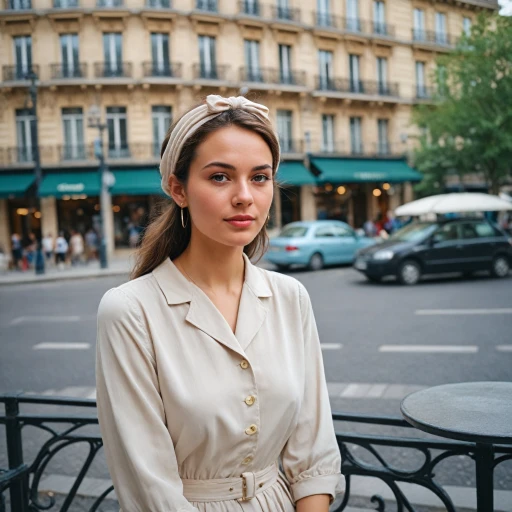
(340, 79)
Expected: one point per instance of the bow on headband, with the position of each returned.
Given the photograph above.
(193, 120)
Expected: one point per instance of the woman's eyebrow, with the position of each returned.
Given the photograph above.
(233, 168)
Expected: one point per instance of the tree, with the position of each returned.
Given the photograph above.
(468, 126)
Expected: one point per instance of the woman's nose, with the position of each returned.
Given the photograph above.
(243, 194)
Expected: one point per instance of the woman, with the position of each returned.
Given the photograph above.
(209, 369)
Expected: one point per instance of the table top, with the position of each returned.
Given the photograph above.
(478, 412)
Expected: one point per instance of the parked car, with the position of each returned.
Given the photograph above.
(315, 244)
(459, 245)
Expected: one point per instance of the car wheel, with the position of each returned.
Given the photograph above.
(316, 262)
(409, 272)
(374, 279)
(500, 266)
(282, 267)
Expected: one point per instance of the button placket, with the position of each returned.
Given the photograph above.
(249, 402)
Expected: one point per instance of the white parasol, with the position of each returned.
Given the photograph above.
(454, 203)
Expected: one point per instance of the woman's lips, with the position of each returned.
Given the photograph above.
(240, 223)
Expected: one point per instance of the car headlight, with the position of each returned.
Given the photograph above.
(383, 255)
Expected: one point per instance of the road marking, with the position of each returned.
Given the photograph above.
(504, 348)
(370, 390)
(496, 311)
(46, 319)
(330, 346)
(62, 346)
(434, 349)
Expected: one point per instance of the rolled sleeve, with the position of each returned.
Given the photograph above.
(311, 457)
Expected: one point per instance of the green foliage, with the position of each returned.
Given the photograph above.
(468, 127)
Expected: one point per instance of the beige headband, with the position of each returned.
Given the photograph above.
(190, 122)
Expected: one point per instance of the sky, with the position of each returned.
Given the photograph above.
(506, 7)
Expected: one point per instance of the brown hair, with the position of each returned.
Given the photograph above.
(165, 237)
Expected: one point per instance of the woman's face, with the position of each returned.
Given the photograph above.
(230, 187)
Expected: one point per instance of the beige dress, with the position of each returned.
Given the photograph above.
(182, 398)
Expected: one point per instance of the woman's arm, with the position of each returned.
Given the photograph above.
(315, 503)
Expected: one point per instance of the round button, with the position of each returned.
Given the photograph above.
(247, 460)
(251, 430)
(250, 400)
(244, 364)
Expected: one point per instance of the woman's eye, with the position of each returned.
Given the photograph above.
(218, 178)
(261, 178)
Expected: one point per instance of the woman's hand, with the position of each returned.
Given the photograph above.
(315, 503)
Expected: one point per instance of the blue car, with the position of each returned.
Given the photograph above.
(315, 244)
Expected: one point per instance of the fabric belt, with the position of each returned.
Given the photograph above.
(243, 488)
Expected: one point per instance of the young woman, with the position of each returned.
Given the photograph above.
(209, 369)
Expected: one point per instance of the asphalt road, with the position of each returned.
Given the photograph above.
(380, 342)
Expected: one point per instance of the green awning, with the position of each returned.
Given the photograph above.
(363, 170)
(14, 185)
(70, 184)
(135, 182)
(294, 173)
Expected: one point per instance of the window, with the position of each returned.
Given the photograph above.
(160, 54)
(207, 59)
(356, 142)
(283, 10)
(207, 5)
(324, 231)
(24, 122)
(284, 130)
(22, 56)
(285, 64)
(356, 84)
(162, 118)
(328, 133)
(466, 25)
(379, 18)
(421, 90)
(343, 231)
(382, 75)
(19, 5)
(441, 79)
(353, 22)
(323, 15)
(419, 25)
(383, 130)
(447, 233)
(325, 69)
(117, 133)
(441, 36)
(485, 230)
(113, 51)
(73, 129)
(251, 7)
(252, 61)
(69, 55)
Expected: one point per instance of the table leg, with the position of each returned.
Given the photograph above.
(484, 459)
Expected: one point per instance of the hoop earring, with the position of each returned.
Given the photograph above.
(182, 219)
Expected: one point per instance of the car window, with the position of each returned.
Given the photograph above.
(342, 231)
(293, 232)
(484, 229)
(468, 231)
(324, 231)
(414, 232)
(447, 233)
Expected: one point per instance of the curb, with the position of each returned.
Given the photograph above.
(67, 277)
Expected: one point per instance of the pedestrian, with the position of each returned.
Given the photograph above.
(369, 228)
(61, 250)
(17, 251)
(77, 247)
(48, 247)
(91, 245)
(30, 250)
(209, 369)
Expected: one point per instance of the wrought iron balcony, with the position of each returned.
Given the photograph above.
(356, 148)
(286, 13)
(424, 93)
(385, 148)
(76, 152)
(272, 76)
(354, 25)
(201, 72)
(118, 152)
(325, 19)
(18, 5)
(291, 145)
(250, 7)
(383, 29)
(162, 69)
(16, 155)
(159, 4)
(109, 3)
(17, 72)
(324, 83)
(432, 37)
(63, 71)
(330, 147)
(65, 4)
(207, 5)
(113, 69)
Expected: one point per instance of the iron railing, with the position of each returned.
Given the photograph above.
(201, 72)
(113, 69)
(162, 69)
(62, 71)
(433, 37)
(159, 4)
(382, 29)
(363, 455)
(76, 152)
(65, 4)
(325, 19)
(286, 13)
(424, 93)
(18, 72)
(347, 85)
(272, 76)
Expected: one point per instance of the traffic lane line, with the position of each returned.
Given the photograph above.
(456, 312)
(62, 346)
(432, 349)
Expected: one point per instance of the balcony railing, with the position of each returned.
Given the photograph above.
(272, 76)
(201, 72)
(383, 29)
(122, 151)
(162, 69)
(65, 4)
(63, 71)
(159, 4)
(348, 85)
(291, 145)
(18, 5)
(16, 155)
(325, 19)
(113, 69)
(354, 25)
(424, 93)
(15, 73)
(432, 37)
(207, 5)
(286, 13)
(109, 3)
(75, 152)
(251, 8)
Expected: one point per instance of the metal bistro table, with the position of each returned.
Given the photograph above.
(478, 412)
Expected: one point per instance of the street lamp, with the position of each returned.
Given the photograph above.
(39, 262)
(94, 121)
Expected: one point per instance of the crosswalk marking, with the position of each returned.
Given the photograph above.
(330, 346)
(62, 346)
(504, 348)
(494, 311)
(433, 349)
(46, 319)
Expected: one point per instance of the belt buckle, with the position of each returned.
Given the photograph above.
(244, 490)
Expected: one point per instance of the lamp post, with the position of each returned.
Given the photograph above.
(94, 121)
(39, 261)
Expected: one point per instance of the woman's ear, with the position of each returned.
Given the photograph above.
(177, 191)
